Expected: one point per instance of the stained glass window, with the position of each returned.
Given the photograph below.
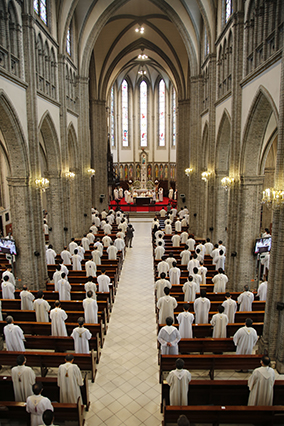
(174, 117)
(124, 98)
(40, 8)
(143, 113)
(68, 41)
(228, 10)
(112, 116)
(162, 112)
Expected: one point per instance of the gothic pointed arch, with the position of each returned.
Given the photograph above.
(223, 144)
(50, 144)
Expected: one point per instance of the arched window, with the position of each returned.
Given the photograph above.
(40, 8)
(206, 44)
(228, 9)
(112, 116)
(68, 41)
(143, 113)
(162, 113)
(124, 104)
(174, 116)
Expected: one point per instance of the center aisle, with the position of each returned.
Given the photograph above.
(126, 389)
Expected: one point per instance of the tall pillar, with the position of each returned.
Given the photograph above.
(99, 152)
(221, 209)
(183, 150)
(55, 221)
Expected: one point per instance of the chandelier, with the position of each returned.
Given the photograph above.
(273, 198)
(142, 56)
(227, 182)
(140, 29)
(206, 175)
(70, 175)
(91, 172)
(141, 70)
(42, 184)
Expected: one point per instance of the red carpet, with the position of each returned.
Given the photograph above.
(144, 208)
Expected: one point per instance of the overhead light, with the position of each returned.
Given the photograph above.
(142, 56)
(206, 175)
(188, 171)
(42, 184)
(227, 182)
(273, 198)
(142, 71)
(140, 29)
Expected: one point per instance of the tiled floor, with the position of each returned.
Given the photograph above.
(126, 390)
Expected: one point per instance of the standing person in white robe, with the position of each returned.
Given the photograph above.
(76, 261)
(8, 290)
(262, 291)
(161, 284)
(50, 255)
(215, 253)
(106, 240)
(169, 337)
(42, 307)
(190, 242)
(178, 225)
(69, 379)
(9, 273)
(81, 336)
(64, 288)
(159, 251)
(219, 323)
(197, 279)
(81, 251)
(171, 193)
(201, 308)
(189, 288)
(120, 192)
(96, 256)
(99, 245)
(178, 381)
(161, 195)
(220, 260)
(202, 271)
(112, 252)
(184, 237)
(174, 274)
(185, 320)
(208, 247)
(230, 306)
(91, 286)
(115, 194)
(176, 240)
(58, 317)
(265, 262)
(66, 256)
(72, 246)
(193, 263)
(163, 266)
(103, 282)
(14, 336)
(220, 280)
(119, 243)
(57, 276)
(90, 237)
(27, 299)
(185, 256)
(168, 229)
(90, 309)
(166, 305)
(261, 384)
(85, 242)
(91, 268)
(245, 300)
(23, 378)
(245, 338)
(37, 404)
(200, 247)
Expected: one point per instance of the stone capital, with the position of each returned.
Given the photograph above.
(252, 180)
(18, 181)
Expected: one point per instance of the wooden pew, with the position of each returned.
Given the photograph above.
(62, 412)
(203, 345)
(216, 415)
(44, 328)
(45, 360)
(221, 392)
(50, 389)
(210, 362)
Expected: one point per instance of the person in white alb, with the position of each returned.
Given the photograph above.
(245, 338)
(112, 252)
(50, 255)
(219, 323)
(58, 317)
(8, 289)
(185, 320)
(166, 305)
(161, 284)
(14, 336)
(91, 268)
(41, 307)
(201, 308)
(85, 242)
(64, 288)
(189, 289)
(90, 309)
(66, 256)
(96, 256)
(178, 381)
(72, 246)
(27, 299)
(185, 256)
(69, 380)
(90, 285)
(230, 306)
(76, 261)
(159, 251)
(261, 384)
(37, 404)
(163, 266)
(81, 336)
(103, 281)
(174, 274)
(220, 281)
(23, 378)
(245, 299)
(9, 273)
(168, 338)
(262, 290)
(208, 247)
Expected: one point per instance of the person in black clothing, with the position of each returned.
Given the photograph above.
(129, 235)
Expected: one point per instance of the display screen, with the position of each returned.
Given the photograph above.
(7, 246)
(262, 245)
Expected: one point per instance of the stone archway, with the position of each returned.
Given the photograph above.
(74, 186)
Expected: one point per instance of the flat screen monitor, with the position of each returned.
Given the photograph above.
(262, 245)
(7, 246)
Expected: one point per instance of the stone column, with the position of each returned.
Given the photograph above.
(221, 210)
(250, 193)
(31, 260)
(99, 152)
(56, 219)
(183, 150)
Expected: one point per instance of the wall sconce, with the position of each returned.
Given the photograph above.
(273, 198)
(70, 175)
(206, 175)
(42, 184)
(227, 182)
(188, 171)
(91, 172)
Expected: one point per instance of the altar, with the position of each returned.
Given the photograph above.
(140, 201)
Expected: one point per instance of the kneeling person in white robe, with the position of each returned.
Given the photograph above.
(58, 317)
(169, 337)
(179, 380)
(23, 378)
(14, 336)
(37, 404)
(185, 320)
(261, 384)
(219, 322)
(81, 336)
(245, 338)
(69, 380)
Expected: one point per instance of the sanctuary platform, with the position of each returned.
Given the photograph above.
(142, 207)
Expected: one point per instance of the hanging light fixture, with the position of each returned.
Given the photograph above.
(142, 56)
(42, 184)
(141, 70)
(227, 182)
(273, 198)
(188, 171)
(206, 175)
(140, 29)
